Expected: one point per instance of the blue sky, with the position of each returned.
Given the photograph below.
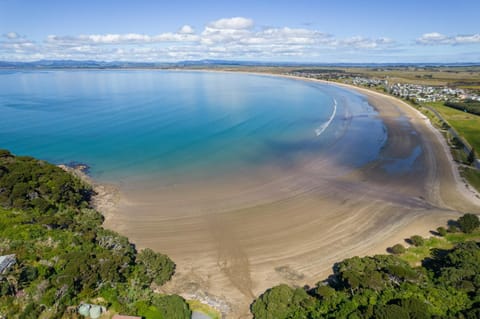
(302, 31)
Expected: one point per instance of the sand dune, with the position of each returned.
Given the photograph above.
(231, 240)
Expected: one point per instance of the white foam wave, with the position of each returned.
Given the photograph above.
(323, 127)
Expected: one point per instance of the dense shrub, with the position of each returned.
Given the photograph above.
(416, 240)
(386, 287)
(468, 223)
(442, 231)
(64, 256)
(154, 267)
(397, 249)
(470, 106)
(27, 183)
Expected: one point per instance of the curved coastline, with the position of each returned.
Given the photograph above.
(460, 184)
(232, 255)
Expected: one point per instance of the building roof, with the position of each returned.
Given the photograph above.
(95, 311)
(6, 262)
(125, 317)
(92, 311)
(84, 309)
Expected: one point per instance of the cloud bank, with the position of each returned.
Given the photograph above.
(436, 38)
(226, 38)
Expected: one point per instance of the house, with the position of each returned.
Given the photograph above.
(125, 317)
(6, 262)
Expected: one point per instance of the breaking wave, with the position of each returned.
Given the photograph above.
(323, 127)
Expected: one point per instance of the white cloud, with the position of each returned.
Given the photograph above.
(359, 42)
(235, 38)
(289, 36)
(11, 35)
(236, 23)
(186, 29)
(17, 44)
(467, 39)
(435, 38)
(115, 38)
(128, 38)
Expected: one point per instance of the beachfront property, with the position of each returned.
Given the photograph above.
(420, 93)
(423, 93)
(6, 262)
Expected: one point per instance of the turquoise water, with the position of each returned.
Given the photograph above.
(129, 124)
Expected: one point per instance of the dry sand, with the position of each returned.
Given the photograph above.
(233, 239)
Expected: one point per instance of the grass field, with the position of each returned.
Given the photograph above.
(472, 176)
(467, 125)
(414, 255)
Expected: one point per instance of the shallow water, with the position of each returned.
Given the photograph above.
(130, 126)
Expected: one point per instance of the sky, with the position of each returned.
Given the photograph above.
(335, 31)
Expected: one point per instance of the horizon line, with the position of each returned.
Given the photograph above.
(43, 62)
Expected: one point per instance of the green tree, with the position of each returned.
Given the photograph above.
(283, 302)
(416, 308)
(416, 240)
(452, 229)
(63, 254)
(156, 267)
(27, 275)
(468, 223)
(441, 231)
(391, 312)
(471, 156)
(397, 249)
(172, 307)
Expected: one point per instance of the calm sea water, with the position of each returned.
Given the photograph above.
(129, 124)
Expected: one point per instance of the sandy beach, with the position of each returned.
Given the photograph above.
(231, 240)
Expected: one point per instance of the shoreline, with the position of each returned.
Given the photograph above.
(232, 256)
(462, 184)
(105, 197)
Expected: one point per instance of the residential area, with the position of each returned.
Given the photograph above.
(412, 91)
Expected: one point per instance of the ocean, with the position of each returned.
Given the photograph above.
(134, 125)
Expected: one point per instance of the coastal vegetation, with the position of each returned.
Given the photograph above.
(472, 175)
(466, 124)
(468, 127)
(434, 278)
(63, 255)
(26, 183)
(469, 106)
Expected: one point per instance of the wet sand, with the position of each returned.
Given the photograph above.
(233, 239)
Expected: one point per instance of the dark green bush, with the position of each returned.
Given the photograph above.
(468, 223)
(397, 249)
(416, 240)
(442, 231)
